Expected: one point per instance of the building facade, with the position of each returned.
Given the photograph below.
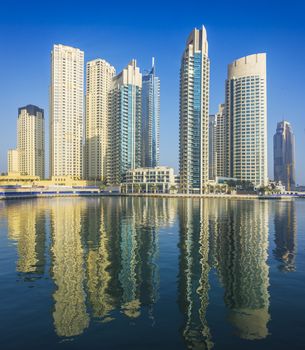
(246, 114)
(66, 111)
(98, 84)
(220, 142)
(149, 180)
(194, 114)
(284, 155)
(151, 119)
(212, 146)
(125, 140)
(12, 161)
(30, 141)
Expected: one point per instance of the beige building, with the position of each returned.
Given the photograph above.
(246, 111)
(12, 161)
(194, 113)
(149, 180)
(66, 111)
(30, 141)
(99, 79)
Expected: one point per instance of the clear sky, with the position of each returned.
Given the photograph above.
(121, 30)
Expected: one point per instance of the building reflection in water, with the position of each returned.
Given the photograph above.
(104, 258)
(285, 226)
(243, 270)
(26, 225)
(70, 314)
(193, 281)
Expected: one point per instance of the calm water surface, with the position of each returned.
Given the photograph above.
(144, 273)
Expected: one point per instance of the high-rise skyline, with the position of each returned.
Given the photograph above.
(151, 118)
(284, 155)
(66, 111)
(194, 113)
(246, 115)
(125, 123)
(30, 141)
(98, 83)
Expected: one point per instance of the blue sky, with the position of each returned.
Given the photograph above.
(119, 31)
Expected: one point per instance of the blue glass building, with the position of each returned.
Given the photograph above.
(194, 114)
(125, 119)
(150, 119)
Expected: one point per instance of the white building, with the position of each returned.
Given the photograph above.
(12, 161)
(150, 180)
(246, 113)
(30, 141)
(98, 83)
(66, 111)
(194, 113)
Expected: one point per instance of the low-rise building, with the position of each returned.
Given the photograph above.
(160, 179)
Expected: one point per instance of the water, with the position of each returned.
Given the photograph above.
(144, 273)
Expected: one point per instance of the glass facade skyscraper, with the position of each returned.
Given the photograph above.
(284, 155)
(150, 119)
(125, 140)
(194, 113)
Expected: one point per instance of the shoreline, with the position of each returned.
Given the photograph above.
(30, 195)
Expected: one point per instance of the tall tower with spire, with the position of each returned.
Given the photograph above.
(150, 118)
(194, 113)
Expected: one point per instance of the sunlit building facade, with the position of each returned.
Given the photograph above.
(30, 141)
(66, 111)
(246, 112)
(12, 161)
(194, 113)
(98, 83)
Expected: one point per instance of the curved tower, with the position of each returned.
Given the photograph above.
(246, 112)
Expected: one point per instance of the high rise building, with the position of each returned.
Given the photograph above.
(212, 146)
(150, 118)
(30, 141)
(66, 111)
(194, 113)
(12, 161)
(220, 142)
(125, 123)
(99, 79)
(284, 155)
(246, 113)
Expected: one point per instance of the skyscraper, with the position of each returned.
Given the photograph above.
(30, 141)
(194, 113)
(66, 111)
(212, 146)
(220, 142)
(284, 157)
(246, 113)
(99, 79)
(150, 118)
(125, 123)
